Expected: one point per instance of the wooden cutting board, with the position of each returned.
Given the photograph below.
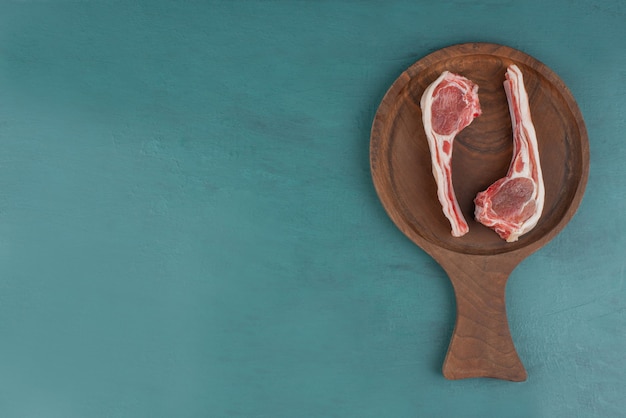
(479, 263)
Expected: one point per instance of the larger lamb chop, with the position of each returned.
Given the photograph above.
(512, 205)
(448, 105)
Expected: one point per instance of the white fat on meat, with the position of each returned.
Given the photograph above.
(513, 204)
(448, 105)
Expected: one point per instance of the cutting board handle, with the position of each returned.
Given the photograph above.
(481, 344)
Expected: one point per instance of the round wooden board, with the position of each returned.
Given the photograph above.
(400, 158)
(479, 263)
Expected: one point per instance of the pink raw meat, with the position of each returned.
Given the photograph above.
(448, 105)
(512, 205)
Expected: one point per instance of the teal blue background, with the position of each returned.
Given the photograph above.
(188, 226)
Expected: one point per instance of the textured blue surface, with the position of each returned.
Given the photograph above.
(188, 226)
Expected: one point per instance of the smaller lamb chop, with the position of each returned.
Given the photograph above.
(448, 105)
(512, 205)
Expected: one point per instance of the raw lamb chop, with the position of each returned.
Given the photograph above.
(512, 205)
(448, 105)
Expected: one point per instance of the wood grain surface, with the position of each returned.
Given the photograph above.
(478, 263)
